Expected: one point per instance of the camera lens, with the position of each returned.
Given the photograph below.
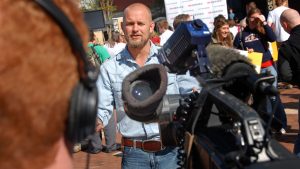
(141, 90)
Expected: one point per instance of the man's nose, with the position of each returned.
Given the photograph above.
(135, 27)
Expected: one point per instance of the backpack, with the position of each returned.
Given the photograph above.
(93, 57)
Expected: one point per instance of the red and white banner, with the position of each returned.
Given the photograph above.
(205, 10)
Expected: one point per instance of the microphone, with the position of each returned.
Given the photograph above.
(238, 73)
(241, 80)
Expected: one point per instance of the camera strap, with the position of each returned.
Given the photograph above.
(188, 143)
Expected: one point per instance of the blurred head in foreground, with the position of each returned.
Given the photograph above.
(38, 72)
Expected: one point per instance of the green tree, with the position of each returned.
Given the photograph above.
(89, 5)
(107, 7)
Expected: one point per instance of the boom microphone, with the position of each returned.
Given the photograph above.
(241, 80)
(239, 73)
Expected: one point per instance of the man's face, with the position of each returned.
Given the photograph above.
(138, 27)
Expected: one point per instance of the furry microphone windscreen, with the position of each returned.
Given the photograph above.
(234, 68)
(222, 57)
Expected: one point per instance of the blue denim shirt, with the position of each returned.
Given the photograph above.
(112, 73)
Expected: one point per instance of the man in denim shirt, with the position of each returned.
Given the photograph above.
(139, 51)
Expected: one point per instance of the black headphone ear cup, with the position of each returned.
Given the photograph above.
(82, 113)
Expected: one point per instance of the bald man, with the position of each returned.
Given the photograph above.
(289, 53)
(289, 56)
(136, 136)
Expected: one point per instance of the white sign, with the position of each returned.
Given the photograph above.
(205, 10)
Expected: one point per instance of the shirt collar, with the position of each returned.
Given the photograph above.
(126, 56)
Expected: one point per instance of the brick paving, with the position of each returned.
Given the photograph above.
(110, 161)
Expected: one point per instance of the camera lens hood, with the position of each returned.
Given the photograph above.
(145, 110)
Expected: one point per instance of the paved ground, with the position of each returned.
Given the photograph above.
(110, 161)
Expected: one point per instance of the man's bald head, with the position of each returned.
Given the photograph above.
(289, 19)
(138, 6)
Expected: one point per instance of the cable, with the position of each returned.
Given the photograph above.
(268, 126)
(181, 156)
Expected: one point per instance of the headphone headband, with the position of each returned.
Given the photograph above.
(84, 100)
(87, 74)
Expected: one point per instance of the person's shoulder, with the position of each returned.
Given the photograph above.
(114, 61)
(284, 47)
(90, 44)
(110, 64)
(282, 8)
(279, 10)
(98, 46)
(271, 13)
(120, 45)
(169, 32)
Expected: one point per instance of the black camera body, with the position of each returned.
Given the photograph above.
(214, 128)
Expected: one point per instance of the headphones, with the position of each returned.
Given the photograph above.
(83, 103)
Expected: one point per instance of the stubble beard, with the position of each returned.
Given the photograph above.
(137, 44)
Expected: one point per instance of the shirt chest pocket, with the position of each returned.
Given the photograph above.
(116, 84)
(172, 85)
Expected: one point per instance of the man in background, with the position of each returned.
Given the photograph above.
(289, 57)
(249, 6)
(181, 18)
(281, 34)
(38, 73)
(100, 52)
(274, 21)
(165, 33)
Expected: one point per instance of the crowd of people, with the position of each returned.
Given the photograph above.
(252, 34)
(35, 110)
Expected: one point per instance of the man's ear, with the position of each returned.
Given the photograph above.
(152, 25)
(123, 26)
(284, 26)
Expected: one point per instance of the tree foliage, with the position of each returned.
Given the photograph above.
(105, 5)
(108, 7)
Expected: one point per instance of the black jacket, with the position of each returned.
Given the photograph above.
(289, 58)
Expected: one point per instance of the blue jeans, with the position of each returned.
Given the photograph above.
(273, 72)
(135, 158)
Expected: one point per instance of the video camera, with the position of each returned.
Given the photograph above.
(216, 128)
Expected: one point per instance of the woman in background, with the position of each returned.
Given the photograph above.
(115, 44)
(255, 38)
(221, 34)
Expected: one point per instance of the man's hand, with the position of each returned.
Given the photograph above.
(99, 125)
